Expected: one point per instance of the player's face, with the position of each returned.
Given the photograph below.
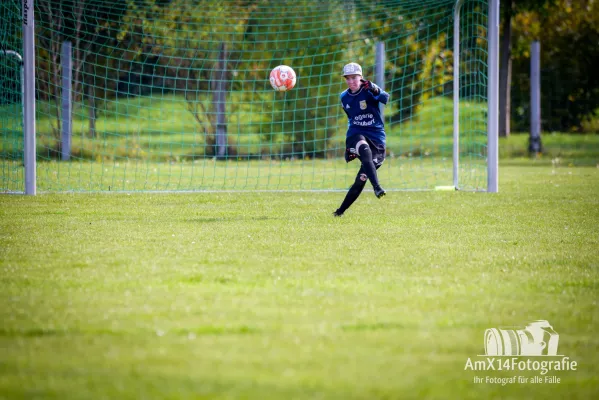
(353, 82)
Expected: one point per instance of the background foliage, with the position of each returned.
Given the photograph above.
(155, 48)
(135, 47)
(569, 35)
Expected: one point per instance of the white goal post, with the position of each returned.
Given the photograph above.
(29, 153)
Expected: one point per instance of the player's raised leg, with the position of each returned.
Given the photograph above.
(365, 156)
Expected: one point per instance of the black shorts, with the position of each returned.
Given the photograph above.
(377, 149)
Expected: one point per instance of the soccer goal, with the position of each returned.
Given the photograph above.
(174, 95)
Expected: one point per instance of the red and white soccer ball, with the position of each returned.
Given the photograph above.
(283, 78)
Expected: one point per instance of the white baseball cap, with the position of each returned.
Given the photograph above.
(352, 69)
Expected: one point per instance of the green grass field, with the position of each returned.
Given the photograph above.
(265, 295)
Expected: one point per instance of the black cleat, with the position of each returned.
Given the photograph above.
(379, 192)
(337, 213)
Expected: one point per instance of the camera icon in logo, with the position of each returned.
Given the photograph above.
(537, 339)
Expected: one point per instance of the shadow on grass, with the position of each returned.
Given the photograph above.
(373, 327)
(218, 330)
(200, 279)
(197, 331)
(205, 220)
(49, 332)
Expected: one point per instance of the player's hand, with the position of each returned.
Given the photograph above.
(371, 87)
(349, 155)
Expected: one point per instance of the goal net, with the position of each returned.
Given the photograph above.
(174, 95)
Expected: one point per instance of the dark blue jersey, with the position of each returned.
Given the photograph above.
(363, 113)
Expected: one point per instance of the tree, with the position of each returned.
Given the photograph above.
(84, 23)
(568, 32)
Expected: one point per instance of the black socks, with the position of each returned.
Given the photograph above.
(365, 156)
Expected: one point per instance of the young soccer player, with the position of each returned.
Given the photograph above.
(365, 137)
